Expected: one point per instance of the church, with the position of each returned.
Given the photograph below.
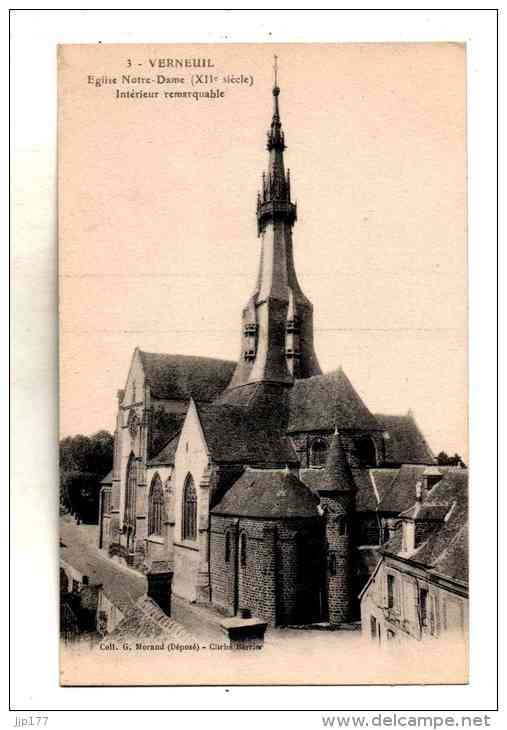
(262, 484)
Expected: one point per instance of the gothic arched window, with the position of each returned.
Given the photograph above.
(130, 494)
(156, 507)
(318, 453)
(189, 510)
(366, 452)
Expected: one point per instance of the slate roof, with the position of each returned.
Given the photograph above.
(268, 494)
(326, 402)
(426, 512)
(337, 474)
(366, 498)
(445, 551)
(400, 494)
(406, 444)
(165, 457)
(312, 477)
(382, 480)
(181, 377)
(366, 494)
(238, 435)
(146, 620)
(108, 479)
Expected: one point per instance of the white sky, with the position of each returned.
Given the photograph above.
(157, 229)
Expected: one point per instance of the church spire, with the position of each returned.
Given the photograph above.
(274, 198)
(277, 331)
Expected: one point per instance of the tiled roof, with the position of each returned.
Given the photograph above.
(382, 480)
(326, 402)
(146, 620)
(312, 477)
(406, 444)
(426, 512)
(453, 561)
(366, 496)
(181, 377)
(445, 551)
(400, 495)
(337, 473)
(366, 499)
(165, 457)
(238, 435)
(268, 494)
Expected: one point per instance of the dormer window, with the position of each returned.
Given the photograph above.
(431, 481)
(318, 454)
(431, 476)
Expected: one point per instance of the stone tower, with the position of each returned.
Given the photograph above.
(338, 498)
(277, 322)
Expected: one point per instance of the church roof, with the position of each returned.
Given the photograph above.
(325, 402)
(268, 494)
(181, 377)
(238, 435)
(165, 457)
(405, 443)
(401, 493)
(381, 479)
(337, 475)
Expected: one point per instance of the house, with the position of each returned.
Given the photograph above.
(419, 587)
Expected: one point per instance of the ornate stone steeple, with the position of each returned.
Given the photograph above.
(277, 322)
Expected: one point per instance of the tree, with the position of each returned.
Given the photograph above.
(444, 459)
(84, 462)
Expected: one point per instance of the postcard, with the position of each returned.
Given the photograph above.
(263, 364)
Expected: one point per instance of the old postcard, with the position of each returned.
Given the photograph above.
(263, 353)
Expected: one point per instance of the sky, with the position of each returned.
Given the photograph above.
(157, 230)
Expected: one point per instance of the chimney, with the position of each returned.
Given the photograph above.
(160, 586)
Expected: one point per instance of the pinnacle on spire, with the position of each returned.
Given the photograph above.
(276, 140)
(274, 200)
(337, 473)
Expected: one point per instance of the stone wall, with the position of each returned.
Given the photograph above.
(340, 557)
(279, 577)
(303, 445)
